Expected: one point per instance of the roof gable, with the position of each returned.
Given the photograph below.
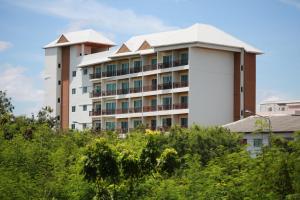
(145, 45)
(62, 39)
(123, 49)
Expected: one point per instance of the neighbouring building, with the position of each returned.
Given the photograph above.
(280, 107)
(255, 135)
(199, 74)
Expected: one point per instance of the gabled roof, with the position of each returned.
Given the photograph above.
(279, 123)
(79, 37)
(123, 49)
(197, 33)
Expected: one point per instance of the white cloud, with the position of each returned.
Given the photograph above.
(295, 3)
(270, 95)
(91, 13)
(4, 45)
(19, 86)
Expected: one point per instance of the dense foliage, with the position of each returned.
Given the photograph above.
(39, 162)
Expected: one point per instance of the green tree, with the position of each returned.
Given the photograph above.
(5, 104)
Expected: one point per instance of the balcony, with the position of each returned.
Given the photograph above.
(122, 72)
(180, 106)
(165, 86)
(109, 93)
(122, 111)
(136, 90)
(109, 112)
(149, 68)
(135, 70)
(94, 94)
(96, 75)
(136, 110)
(109, 73)
(165, 107)
(123, 91)
(149, 108)
(182, 62)
(149, 88)
(164, 65)
(95, 113)
(180, 84)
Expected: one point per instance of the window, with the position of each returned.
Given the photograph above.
(167, 122)
(110, 106)
(137, 103)
(137, 84)
(167, 101)
(153, 102)
(58, 65)
(85, 71)
(125, 87)
(73, 108)
(73, 73)
(110, 87)
(167, 79)
(184, 122)
(111, 69)
(136, 123)
(73, 91)
(110, 126)
(59, 82)
(98, 70)
(97, 89)
(137, 64)
(257, 142)
(125, 68)
(125, 105)
(57, 117)
(73, 126)
(98, 107)
(58, 100)
(84, 107)
(124, 125)
(270, 109)
(84, 90)
(153, 61)
(184, 78)
(84, 126)
(167, 59)
(184, 100)
(183, 59)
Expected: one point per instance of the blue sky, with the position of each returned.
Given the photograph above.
(26, 26)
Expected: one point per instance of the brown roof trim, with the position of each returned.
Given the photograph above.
(123, 49)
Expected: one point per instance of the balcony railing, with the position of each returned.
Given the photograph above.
(149, 67)
(109, 112)
(136, 110)
(180, 84)
(165, 86)
(149, 108)
(165, 107)
(96, 75)
(149, 88)
(135, 69)
(95, 113)
(123, 91)
(180, 106)
(122, 111)
(136, 90)
(145, 68)
(95, 94)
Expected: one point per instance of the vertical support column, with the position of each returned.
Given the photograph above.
(65, 81)
(242, 85)
(237, 81)
(157, 83)
(250, 82)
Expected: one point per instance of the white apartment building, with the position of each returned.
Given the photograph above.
(199, 74)
(280, 107)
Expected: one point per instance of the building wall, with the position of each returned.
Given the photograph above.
(211, 80)
(250, 82)
(52, 75)
(79, 99)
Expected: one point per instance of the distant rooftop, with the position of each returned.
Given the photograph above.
(280, 123)
(280, 102)
(79, 37)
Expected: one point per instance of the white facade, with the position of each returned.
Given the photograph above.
(160, 80)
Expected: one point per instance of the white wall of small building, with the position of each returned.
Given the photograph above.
(211, 77)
